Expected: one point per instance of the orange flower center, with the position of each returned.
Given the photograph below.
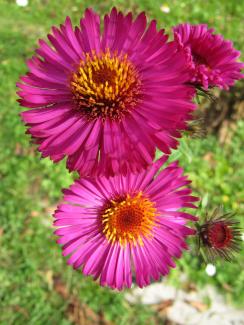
(106, 86)
(128, 220)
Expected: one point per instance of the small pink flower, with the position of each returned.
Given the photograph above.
(115, 227)
(106, 99)
(211, 59)
(219, 236)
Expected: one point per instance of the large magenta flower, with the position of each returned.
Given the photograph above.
(106, 99)
(212, 60)
(114, 227)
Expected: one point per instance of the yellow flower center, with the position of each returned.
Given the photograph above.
(129, 219)
(106, 86)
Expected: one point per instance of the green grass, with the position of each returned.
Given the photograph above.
(30, 188)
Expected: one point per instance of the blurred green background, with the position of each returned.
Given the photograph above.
(36, 286)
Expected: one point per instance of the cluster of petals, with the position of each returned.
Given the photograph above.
(80, 227)
(212, 60)
(106, 146)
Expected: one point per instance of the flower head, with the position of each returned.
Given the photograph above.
(114, 227)
(106, 100)
(219, 235)
(212, 60)
(210, 269)
(22, 3)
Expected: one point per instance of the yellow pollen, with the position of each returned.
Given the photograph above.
(129, 219)
(105, 85)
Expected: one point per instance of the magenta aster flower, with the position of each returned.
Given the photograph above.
(107, 99)
(212, 60)
(114, 227)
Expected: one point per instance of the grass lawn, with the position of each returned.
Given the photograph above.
(36, 285)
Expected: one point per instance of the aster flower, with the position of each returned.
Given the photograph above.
(211, 59)
(121, 226)
(107, 99)
(219, 235)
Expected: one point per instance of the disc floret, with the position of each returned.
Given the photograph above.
(105, 85)
(129, 219)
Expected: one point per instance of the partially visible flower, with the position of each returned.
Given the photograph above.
(165, 8)
(210, 269)
(219, 235)
(211, 59)
(106, 98)
(22, 3)
(119, 226)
